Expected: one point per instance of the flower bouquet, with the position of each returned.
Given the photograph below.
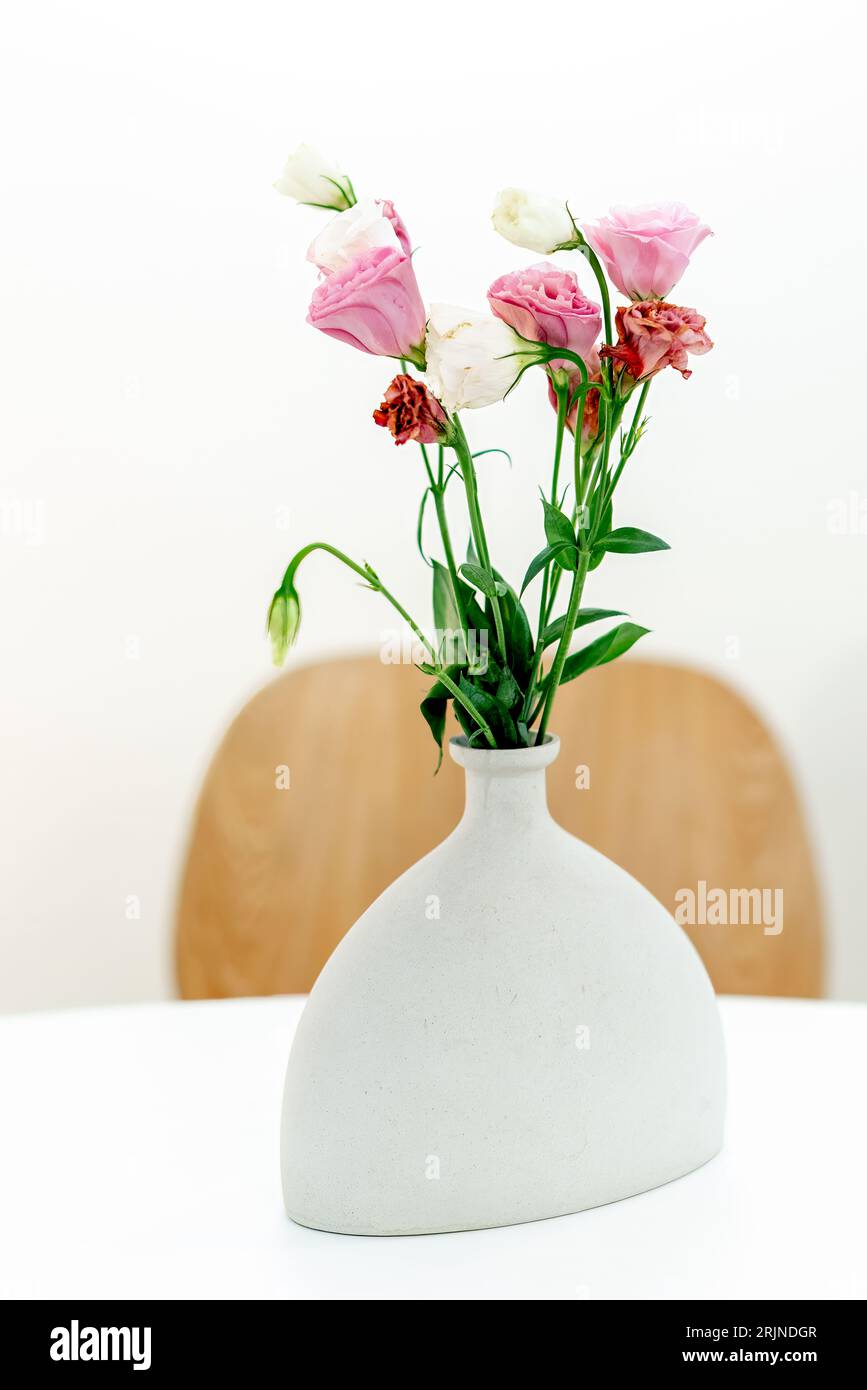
(439, 1041)
(482, 653)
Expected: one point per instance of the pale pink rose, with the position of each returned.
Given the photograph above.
(646, 249)
(368, 223)
(590, 420)
(545, 304)
(373, 304)
(653, 335)
(397, 222)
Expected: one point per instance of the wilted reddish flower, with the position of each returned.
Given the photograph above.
(591, 404)
(653, 334)
(411, 412)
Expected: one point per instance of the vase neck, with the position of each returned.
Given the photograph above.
(505, 787)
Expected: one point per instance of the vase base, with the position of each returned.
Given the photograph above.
(409, 1228)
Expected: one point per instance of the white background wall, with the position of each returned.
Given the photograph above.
(172, 430)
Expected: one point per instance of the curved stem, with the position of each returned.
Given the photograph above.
(437, 487)
(380, 588)
(593, 260)
(427, 465)
(440, 504)
(369, 576)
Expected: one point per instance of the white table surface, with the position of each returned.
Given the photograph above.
(139, 1159)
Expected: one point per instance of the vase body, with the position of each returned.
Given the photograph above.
(516, 1029)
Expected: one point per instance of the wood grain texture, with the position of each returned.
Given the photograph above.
(685, 784)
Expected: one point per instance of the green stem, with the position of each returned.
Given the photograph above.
(555, 582)
(563, 393)
(468, 473)
(440, 504)
(562, 412)
(367, 574)
(612, 415)
(593, 260)
(428, 469)
(628, 447)
(636, 419)
(565, 641)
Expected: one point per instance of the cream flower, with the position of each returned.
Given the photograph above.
(531, 220)
(309, 178)
(472, 359)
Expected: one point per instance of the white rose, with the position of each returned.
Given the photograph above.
(530, 220)
(310, 178)
(350, 233)
(471, 358)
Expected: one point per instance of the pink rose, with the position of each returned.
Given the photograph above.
(591, 404)
(545, 304)
(373, 304)
(647, 249)
(653, 335)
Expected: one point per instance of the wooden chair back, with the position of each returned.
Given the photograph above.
(322, 792)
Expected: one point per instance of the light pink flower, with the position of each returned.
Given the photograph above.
(545, 304)
(591, 405)
(646, 249)
(653, 335)
(397, 222)
(368, 223)
(373, 304)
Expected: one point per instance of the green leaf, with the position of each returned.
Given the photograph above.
(448, 623)
(445, 611)
(434, 707)
(629, 540)
(519, 637)
(540, 561)
(504, 452)
(434, 711)
(484, 580)
(508, 692)
(501, 723)
(554, 631)
(604, 649)
(560, 531)
(596, 555)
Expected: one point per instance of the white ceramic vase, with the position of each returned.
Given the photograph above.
(515, 1029)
